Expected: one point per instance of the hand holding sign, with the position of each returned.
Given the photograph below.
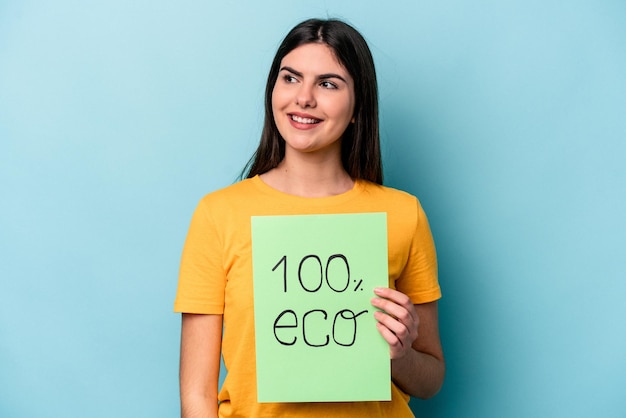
(316, 338)
(397, 321)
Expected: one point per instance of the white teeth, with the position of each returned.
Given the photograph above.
(303, 120)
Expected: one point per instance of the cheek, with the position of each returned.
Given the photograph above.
(277, 109)
(274, 100)
(279, 97)
(344, 110)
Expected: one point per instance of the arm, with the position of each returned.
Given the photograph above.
(201, 340)
(412, 332)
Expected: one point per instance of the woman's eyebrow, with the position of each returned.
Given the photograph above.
(291, 70)
(320, 77)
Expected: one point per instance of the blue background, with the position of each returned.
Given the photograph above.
(506, 118)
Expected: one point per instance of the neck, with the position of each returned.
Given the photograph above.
(308, 176)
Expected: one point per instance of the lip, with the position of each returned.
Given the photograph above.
(301, 125)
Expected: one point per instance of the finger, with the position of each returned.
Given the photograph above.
(393, 295)
(400, 330)
(396, 348)
(397, 297)
(403, 314)
(395, 344)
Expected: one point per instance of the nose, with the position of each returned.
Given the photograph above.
(305, 96)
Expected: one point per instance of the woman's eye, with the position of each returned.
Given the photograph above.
(289, 78)
(328, 85)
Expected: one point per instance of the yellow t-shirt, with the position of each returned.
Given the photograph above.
(216, 278)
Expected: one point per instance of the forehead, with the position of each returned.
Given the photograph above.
(314, 58)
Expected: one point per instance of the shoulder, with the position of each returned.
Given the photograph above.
(404, 210)
(233, 193)
(224, 203)
(395, 197)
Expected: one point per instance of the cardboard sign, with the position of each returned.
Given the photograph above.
(316, 336)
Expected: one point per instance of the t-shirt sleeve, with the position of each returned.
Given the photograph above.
(202, 279)
(419, 278)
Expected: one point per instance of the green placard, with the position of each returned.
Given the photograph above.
(316, 336)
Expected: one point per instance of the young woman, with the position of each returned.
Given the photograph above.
(319, 154)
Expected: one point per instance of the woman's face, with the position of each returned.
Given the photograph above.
(312, 100)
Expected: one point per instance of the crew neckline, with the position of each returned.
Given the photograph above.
(326, 200)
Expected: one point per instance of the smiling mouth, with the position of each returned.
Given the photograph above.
(307, 121)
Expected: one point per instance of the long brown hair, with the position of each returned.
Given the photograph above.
(360, 143)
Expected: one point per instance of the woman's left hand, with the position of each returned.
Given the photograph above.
(397, 320)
